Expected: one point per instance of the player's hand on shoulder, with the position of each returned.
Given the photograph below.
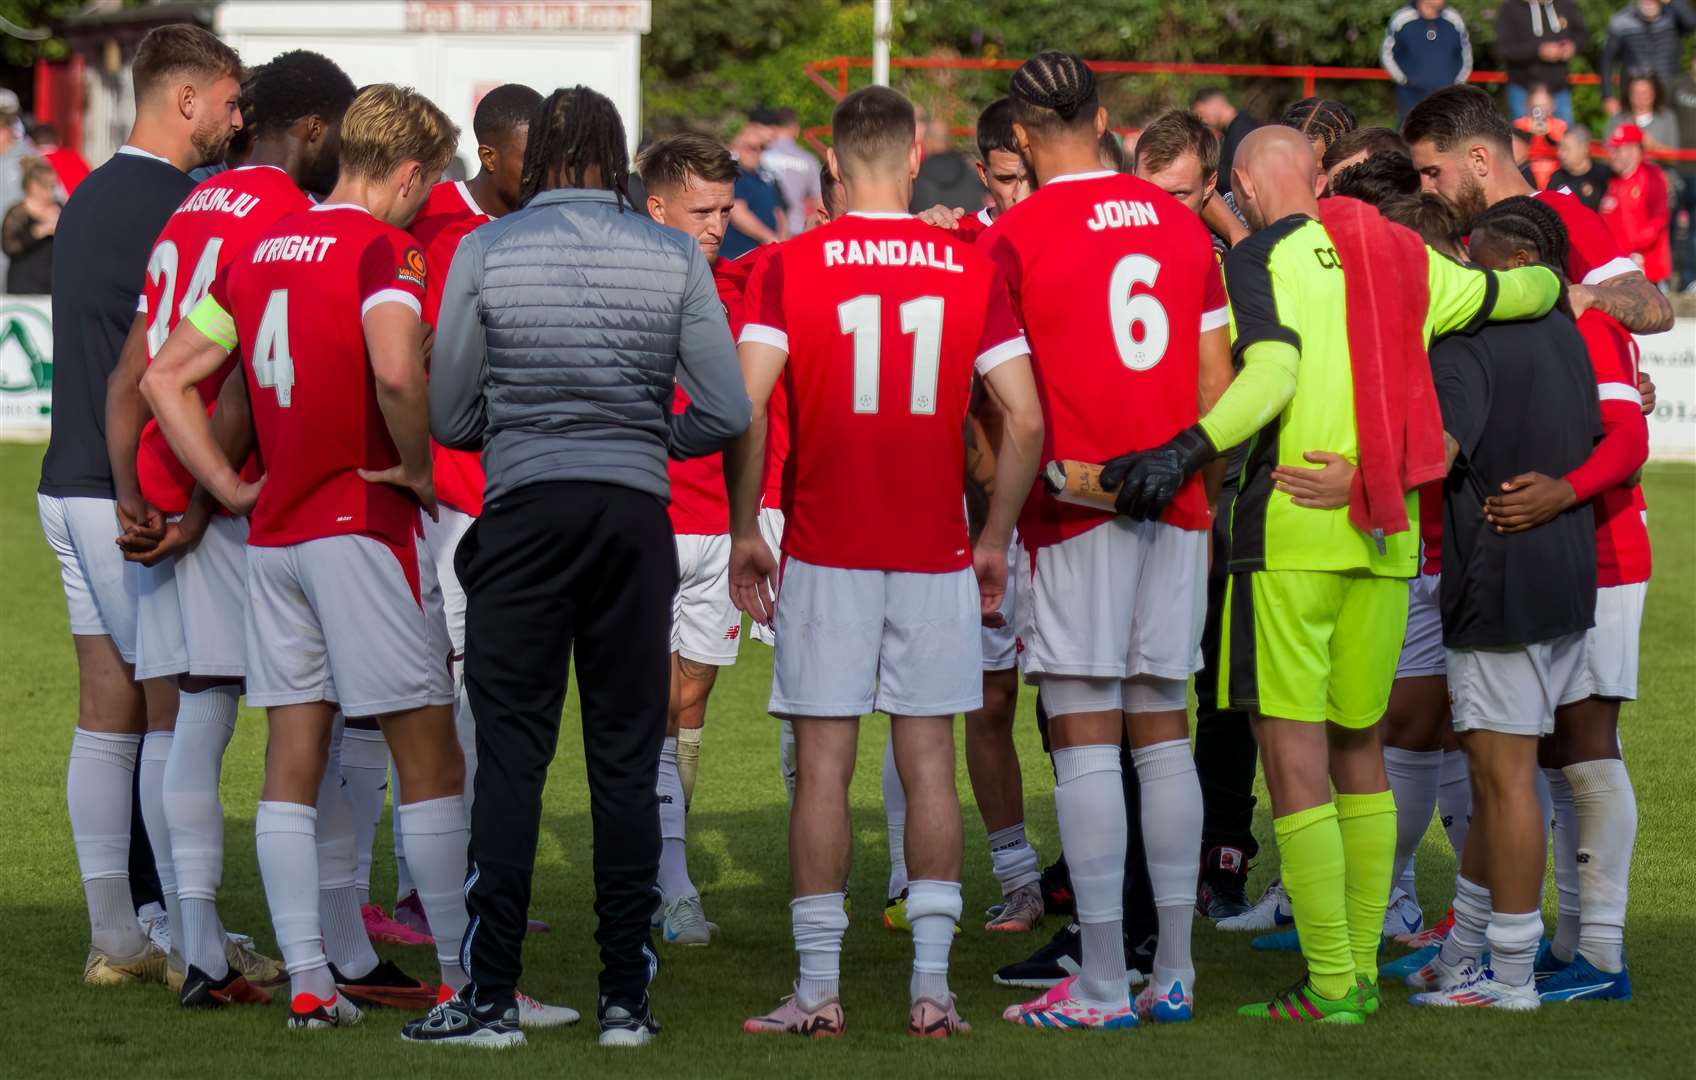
(1323, 488)
(942, 217)
(753, 578)
(989, 563)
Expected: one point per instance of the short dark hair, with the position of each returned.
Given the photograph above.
(785, 116)
(502, 111)
(668, 164)
(1646, 75)
(575, 129)
(177, 50)
(1207, 93)
(1428, 215)
(1373, 140)
(1379, 178)
(1320, 118)
(1173, 134)
(1525, 222)
(1453, 114)
(827, 184)
(1053, 91)
(995, 128)
(291, 87)
(872, 124)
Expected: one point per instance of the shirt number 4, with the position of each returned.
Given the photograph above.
(862, 319)
(273, 367)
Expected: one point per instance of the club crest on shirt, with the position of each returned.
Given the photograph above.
(411, 267)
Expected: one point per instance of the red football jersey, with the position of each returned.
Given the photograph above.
(1431, 527)
(1593, 255)
(1622, 535)
(699, 504)
(1115, 282)
(972, 227)
(220, 219)
(448, 214)
(732, 275)
(299, 298)
(884, 319)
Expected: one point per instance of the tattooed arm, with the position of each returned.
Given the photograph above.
(1635, 302)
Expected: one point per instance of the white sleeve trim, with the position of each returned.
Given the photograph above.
(391, 296)
(995, 356)
(1213, 320)
(1611, 269)
(764, 335)
(1616, 391)
(141, 304)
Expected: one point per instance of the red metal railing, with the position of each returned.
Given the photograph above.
(837, 67)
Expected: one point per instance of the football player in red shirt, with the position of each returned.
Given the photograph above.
(690, 180)
(1582, 761)
(878, 322)
(325, 307)
(1125, 309)
(455, 207)
(189, 613)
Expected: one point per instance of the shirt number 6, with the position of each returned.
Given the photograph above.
(1128, 310)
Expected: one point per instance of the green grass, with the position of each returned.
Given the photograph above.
(58, 1027)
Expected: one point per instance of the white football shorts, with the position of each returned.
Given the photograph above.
(100, 587)
(706, 627)
(1515, 690)
(189, 617)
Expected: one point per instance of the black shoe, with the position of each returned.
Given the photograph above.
(460, 1021)
(201, 991)
(1223, 893)
(626, 1025)
(1060, 959)
(386, 986)
(1057, 898)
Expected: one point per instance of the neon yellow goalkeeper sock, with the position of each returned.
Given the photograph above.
(1310, 855)
(1368, 826)
(688, 761)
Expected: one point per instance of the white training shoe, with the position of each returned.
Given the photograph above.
(1438, 975)
(1403, 917)
(1482, 991)
(157, 926)
(1271, 912)
(684, 922)
(535, 1014)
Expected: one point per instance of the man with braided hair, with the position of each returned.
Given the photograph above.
(1121, 296)
(1316, 605)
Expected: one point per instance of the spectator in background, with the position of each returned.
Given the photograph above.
(1684, 108)
(946, 177)
(1644, 35)
(1214, 109)
(1635, 208)
(68, 165)
(1645, 107)
(1579, 173)
(759, 217)
(1543, 131)
(14, 148)
(1426, 48)
(1536, 41)
(26, 232)
(796, 170)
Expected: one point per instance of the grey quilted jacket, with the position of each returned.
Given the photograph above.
(562, 330)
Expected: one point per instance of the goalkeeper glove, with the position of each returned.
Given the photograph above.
(1148, 480)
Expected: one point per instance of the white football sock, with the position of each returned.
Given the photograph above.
(205, 722)
(895, 818)
(404, 885)
(1171, 839)
(688, 761)
(674, 851)
(341, 922)
(818, 923)
(285, 839)
(365, 781)
(438, 835)
(1465, 942)
(1565, 842)
(97, 794)
(1513, 941)
(1089, 799)
(155, 752)
(1454, 800)
(786, 757)
(1013, 859)
(1414, 779)
(933, 909)
(1606, 809)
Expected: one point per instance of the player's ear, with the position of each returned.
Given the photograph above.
(1100, 121)
(983, 173)
(1022, 140)
(1320, 182)
(835, 167)
(486, 156)
(1478, 158)
(187, 98)
(656, 208)
(915, 157)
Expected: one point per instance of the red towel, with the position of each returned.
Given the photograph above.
(1397, 423)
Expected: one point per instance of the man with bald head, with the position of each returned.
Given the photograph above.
(1316, 607)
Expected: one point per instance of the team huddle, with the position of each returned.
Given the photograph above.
(981, 446)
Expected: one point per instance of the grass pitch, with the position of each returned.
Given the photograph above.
(737, 855)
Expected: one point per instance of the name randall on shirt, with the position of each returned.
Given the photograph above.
(219, 200)
(890, 253)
